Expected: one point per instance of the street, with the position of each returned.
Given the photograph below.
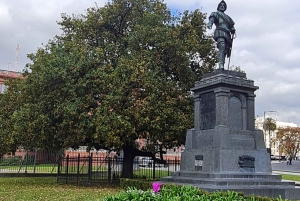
(283, 167)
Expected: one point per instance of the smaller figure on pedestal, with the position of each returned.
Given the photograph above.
(224, 32)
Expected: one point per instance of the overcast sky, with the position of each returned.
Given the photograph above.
(267, 46)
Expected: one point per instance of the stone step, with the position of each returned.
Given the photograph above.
(195, 174)
(285, 192)
(212, 188)
(227, 182)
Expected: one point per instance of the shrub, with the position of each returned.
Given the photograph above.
(14, 160)
(135, 183)
(170, 192)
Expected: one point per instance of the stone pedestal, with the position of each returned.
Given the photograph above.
(224, 151)
(224, 126)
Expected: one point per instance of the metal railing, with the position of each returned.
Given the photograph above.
(34, 161)
(90, 170)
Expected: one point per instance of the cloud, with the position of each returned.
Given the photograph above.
(266, 48)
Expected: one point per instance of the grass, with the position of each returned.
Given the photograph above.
(35, 188)
(291, 177)
(49, 168)
(21, 188)
(148, 173)
(45, 168)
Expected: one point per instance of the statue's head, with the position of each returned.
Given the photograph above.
(222, 6)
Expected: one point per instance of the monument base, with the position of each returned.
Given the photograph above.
(221, 159)
(259, 184)
(224, 151)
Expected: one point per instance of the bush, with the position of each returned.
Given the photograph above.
(182, 193)
(135, 183)
(14, 160)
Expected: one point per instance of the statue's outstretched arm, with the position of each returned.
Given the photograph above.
(211, 22)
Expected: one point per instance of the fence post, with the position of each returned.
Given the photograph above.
(58, 167)
(90, 169)
(78, 161)
(153, 173)
(168, 164)
(26, 161)
(34, 162)
(67, 169)
(109, 169)
(175, 163)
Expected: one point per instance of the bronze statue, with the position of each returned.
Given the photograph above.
(224, 32)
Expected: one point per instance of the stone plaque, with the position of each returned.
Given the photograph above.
(208, 111)
(246, 163)
(198, 162)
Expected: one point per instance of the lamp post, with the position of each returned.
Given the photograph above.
(270, 144)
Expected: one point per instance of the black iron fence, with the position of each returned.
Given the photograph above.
(90, 170)
(81, 167)
(33, 161)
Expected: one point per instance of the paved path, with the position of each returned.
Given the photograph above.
(283, 167)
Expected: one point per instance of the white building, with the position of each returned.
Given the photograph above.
(259, 121)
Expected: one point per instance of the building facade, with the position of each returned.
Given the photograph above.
(5, 74)
(259, 122)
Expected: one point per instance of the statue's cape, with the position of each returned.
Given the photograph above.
(222, 15)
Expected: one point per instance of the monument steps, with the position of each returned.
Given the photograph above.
(236, 175)
(221, 182)
(211, 188)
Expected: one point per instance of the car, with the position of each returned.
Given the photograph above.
(148, 162)
(273, 157)
(145, 162)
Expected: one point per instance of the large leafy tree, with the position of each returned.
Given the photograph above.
(288, 140)
(116, 74)
(10, 102)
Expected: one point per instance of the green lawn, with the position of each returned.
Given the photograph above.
(31, 189)
(291, 177)
(49, 168)
(148, 173)
(18, 188)
(43, 168)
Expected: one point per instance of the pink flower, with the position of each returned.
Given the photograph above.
(156, 187)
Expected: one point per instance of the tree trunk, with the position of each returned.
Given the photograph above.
(129, 155)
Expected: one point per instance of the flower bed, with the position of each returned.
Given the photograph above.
(168, 192)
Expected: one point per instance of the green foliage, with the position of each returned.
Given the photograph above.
(116, 74)
(135, 183)
(183, 193)
(14, 160)
(270, 124)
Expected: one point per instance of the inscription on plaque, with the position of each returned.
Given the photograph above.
(208, 111)
(198, 162)
(246, 163)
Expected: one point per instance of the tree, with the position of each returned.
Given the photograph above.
(9, 102)
(288, 140)
(270, 125)
(116, 74)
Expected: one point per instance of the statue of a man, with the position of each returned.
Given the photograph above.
(224, 32)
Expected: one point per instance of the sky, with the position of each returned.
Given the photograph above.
(267, 46)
